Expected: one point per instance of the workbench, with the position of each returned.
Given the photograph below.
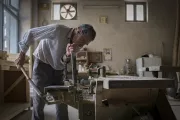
(14, 90)
(117, 95)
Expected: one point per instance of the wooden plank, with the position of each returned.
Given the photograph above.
(3, 55)
(18, 94)
(10, 110)
(11, 63)
(1, 86)
(27, 91)
(13, 57)
(14, 84)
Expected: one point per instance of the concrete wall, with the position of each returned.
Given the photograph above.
(25, 17)
(127, 40)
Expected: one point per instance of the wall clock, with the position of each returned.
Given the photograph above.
(68, 11)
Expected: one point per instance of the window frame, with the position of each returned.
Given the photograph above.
(135, 12)
(6, 5)
(1, 25)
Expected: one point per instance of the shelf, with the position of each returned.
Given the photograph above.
(83, 59)
(82, 72)
(10, 110)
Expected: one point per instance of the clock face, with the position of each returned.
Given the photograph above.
(68, 11)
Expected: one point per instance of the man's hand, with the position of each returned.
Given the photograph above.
(72, 48)
(69, 49)
(21, 59)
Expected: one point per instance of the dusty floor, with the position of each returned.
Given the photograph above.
(49, 112)
(73, 113)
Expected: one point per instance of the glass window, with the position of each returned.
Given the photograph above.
(130, 12)
(56, 11)
(10, 27)
(15, 3)
(136, 12)
(139, 12)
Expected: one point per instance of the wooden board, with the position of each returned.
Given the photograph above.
(1, 86)
(8, 76)
(13, 57)
(10, 110)
(3, 55)
(9, 65)
(18, 94)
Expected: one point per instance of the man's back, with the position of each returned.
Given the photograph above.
(52, 46)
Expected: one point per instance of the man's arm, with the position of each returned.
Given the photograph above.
(36, 34)
(33, 35)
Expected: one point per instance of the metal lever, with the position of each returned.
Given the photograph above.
(74, 70)
(31, 82)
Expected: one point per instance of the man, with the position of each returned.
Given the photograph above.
(56, 43)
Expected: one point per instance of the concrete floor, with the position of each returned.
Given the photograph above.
(49, 112)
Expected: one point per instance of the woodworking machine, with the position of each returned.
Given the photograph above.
(113, 97)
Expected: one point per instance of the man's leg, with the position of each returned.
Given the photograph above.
(61, 109)
(62, 112)
(41, 77)
(38, 108)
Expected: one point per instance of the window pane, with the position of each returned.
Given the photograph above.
(56, 12)
(10, 37)
(13, 35)
(4, 19)
(140, 13)
(15, 3)
(129, 12)
(5, 32)
(5, 44)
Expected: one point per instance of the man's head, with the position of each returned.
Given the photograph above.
(83, 35)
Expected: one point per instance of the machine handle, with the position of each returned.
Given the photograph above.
(74, 69)
(30, 81)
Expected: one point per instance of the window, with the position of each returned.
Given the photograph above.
(56, 11)
(136, 12)
(10, 24)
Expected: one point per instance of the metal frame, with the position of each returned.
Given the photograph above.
(12, 7)
(134, 5)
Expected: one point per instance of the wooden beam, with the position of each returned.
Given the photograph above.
(1, 86)
(14, 85)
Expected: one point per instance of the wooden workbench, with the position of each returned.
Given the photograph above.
(14, 90)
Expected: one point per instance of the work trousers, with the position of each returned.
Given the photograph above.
(44, 75)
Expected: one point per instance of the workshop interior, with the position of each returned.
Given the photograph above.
(130, 71)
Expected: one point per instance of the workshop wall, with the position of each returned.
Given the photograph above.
(25, 17)
(127, 40)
